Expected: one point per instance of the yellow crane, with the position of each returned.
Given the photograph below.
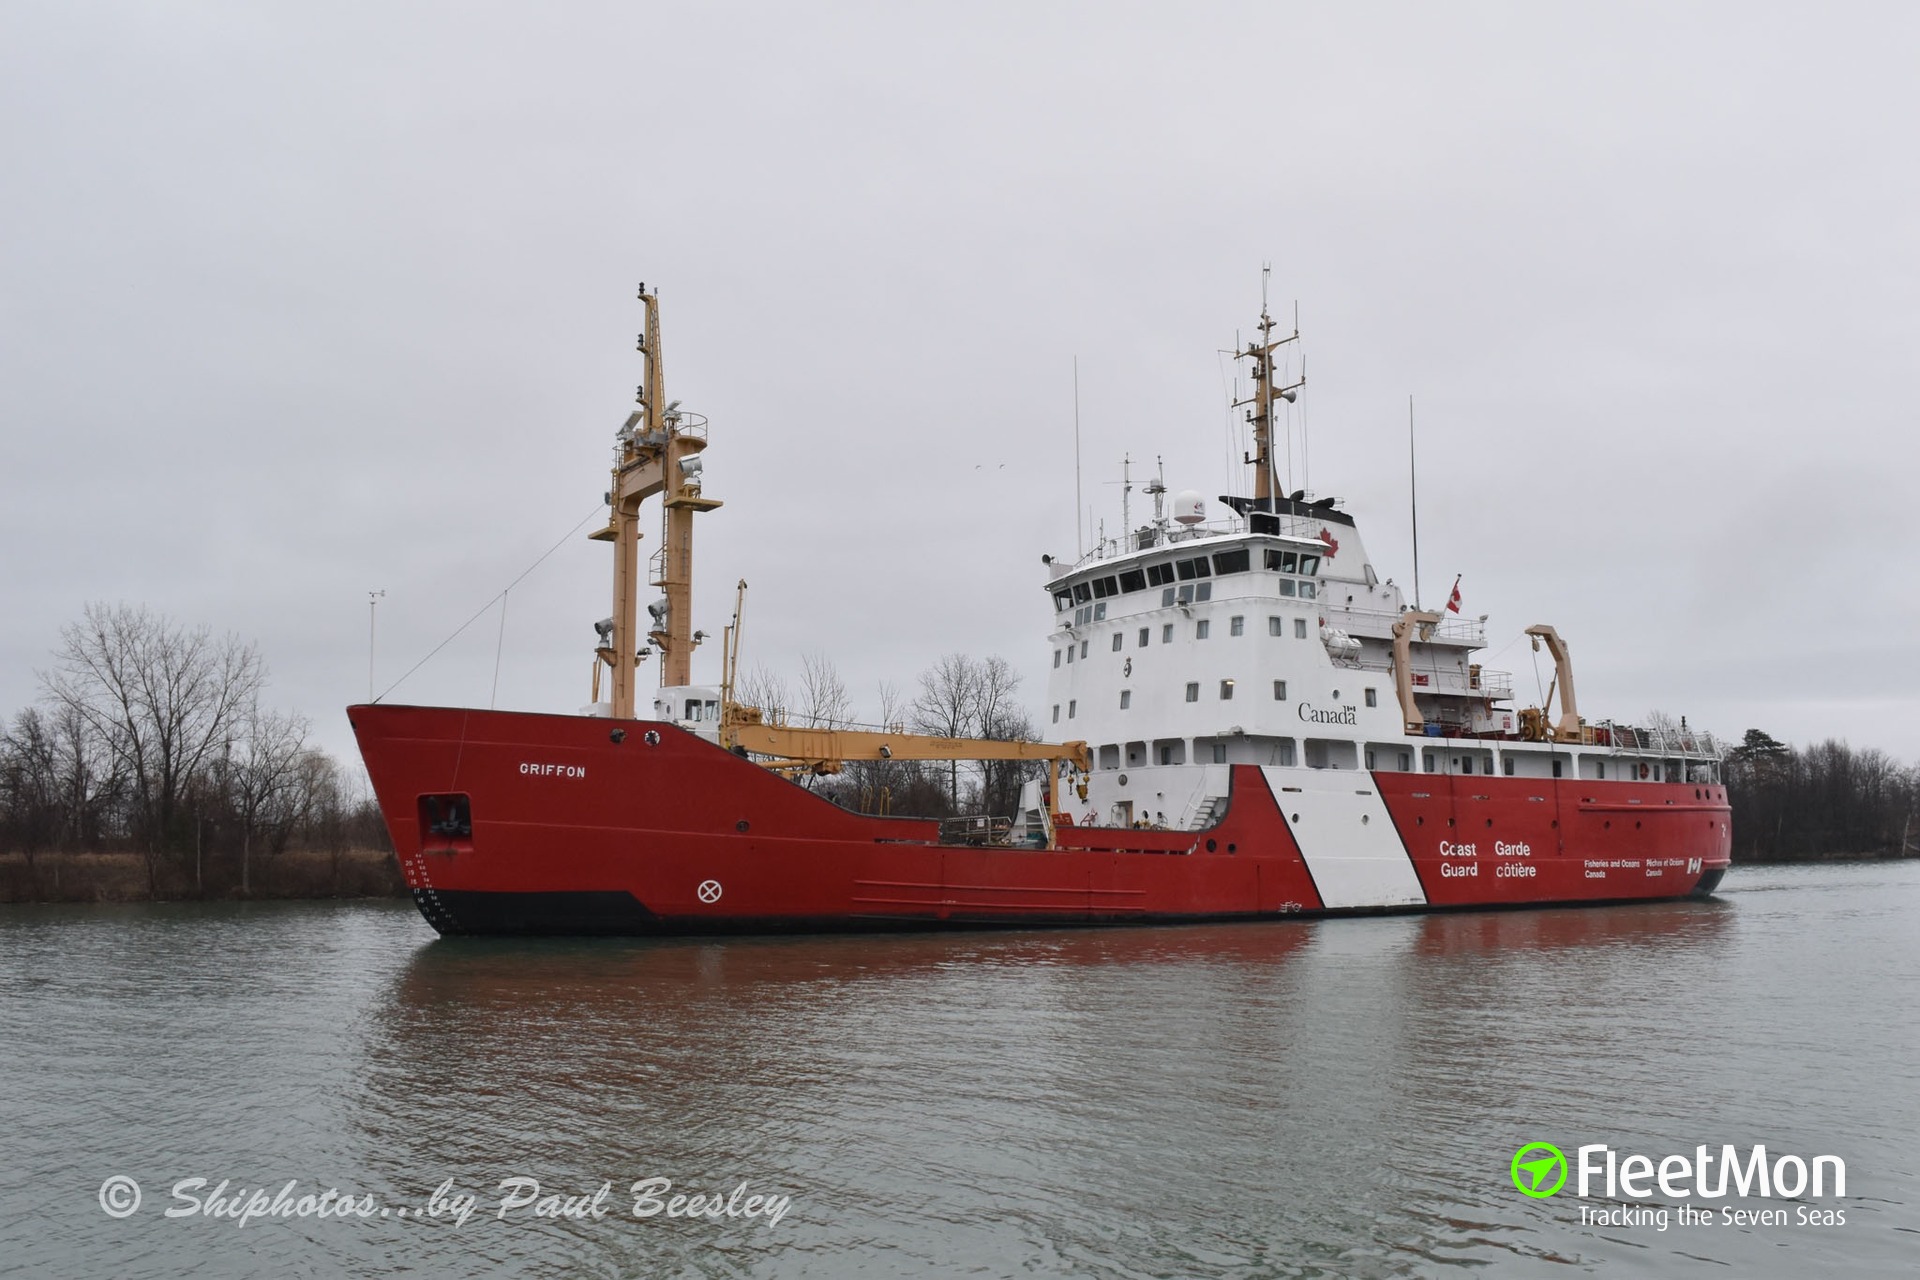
(808, 749)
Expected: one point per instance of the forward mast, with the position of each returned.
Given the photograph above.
(657, 451)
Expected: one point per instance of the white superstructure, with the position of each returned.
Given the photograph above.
(1268, 638)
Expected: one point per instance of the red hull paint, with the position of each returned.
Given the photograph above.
(575, 832)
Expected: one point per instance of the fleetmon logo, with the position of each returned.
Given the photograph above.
(1539, 1169)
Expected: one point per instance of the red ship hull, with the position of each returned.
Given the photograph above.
(579, 825)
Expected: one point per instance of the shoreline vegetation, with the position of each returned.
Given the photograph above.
(294, 875)
(152, 771)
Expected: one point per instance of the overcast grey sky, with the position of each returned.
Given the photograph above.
(299, 301)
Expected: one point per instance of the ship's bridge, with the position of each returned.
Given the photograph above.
(1183, 572)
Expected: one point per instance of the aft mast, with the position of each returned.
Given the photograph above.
(657, 451)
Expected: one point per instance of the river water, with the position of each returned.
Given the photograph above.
(1338, 1098)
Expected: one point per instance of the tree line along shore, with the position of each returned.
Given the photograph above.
(152, 769)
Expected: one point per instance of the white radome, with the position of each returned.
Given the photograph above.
(1190, 507)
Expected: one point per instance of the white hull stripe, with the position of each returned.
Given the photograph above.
(1348, 839)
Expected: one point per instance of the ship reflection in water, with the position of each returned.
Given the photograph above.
(1215, 1097)
(1334, 1097)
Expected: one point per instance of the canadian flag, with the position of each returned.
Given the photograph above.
(1453, 601)
(1333, 548)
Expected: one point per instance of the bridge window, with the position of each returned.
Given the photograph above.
(1237, 626)
(1288, 586)
(1193, 691)
(1133, 580)
(1126, 699)
(1062, 601)
(1194, 568)
(1201, 628)
(1279, 690)
(1232, 561)
(1309, 564)
(1306, 589)
(1166, 598)
(1159, 575)
(1283, 561)
(1104, 587)
(1082, 593)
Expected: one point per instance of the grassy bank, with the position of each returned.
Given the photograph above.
(122, 877)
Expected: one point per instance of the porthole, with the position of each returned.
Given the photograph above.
(1211, 846)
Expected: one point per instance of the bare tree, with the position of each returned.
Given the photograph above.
(265, 780)
(946, 706)
(164, 699)
(763, 689)
(89, 784)
(824, 703)
(29, 787)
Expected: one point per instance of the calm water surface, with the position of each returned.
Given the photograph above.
(1338, 1098)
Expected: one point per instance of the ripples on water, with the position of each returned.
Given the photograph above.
(1337, 1098)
